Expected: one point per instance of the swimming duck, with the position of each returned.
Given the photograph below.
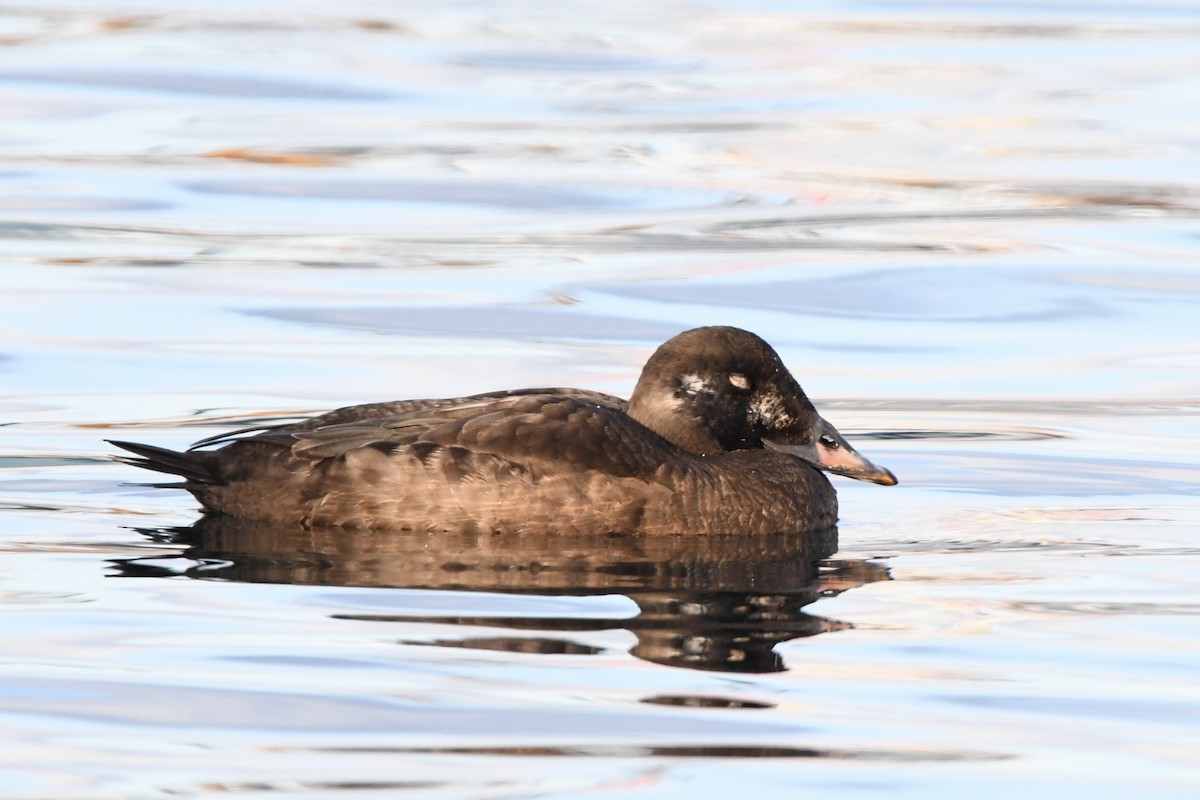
(717, 437)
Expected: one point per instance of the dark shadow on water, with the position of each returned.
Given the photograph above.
(910, 756)
(711, 602)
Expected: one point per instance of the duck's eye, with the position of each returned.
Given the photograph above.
(829, 442)
(740, 381)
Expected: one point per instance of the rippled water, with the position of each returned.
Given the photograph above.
(970, 228)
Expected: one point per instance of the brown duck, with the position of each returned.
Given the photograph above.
(718, 437)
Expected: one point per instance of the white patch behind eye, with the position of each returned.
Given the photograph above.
(739, 380)
(694, 384)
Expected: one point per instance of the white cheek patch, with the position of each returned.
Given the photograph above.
(769, 409)
(694, 384)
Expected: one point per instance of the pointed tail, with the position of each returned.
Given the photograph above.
(194, 467)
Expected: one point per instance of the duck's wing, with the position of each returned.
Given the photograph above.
(284, 433)
(240, 433)
(540, 431)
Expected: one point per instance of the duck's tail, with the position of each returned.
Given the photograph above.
(195, 468)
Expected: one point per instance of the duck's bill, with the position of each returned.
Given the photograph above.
(831, 452)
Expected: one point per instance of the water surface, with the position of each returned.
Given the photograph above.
(970, 229)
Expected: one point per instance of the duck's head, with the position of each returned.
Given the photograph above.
(719, 389)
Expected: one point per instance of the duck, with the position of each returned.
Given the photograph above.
(716, 438)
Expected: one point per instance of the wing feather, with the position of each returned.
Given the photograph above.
(550, 430)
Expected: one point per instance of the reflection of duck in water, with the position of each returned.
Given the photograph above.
(709, 602)
(717, 438)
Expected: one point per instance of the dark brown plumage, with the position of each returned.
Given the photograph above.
(717, 438)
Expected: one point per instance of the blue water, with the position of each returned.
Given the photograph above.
(971, 230)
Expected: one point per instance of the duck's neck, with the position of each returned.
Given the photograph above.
(663, 413)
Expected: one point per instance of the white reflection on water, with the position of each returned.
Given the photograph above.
(970, 228)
